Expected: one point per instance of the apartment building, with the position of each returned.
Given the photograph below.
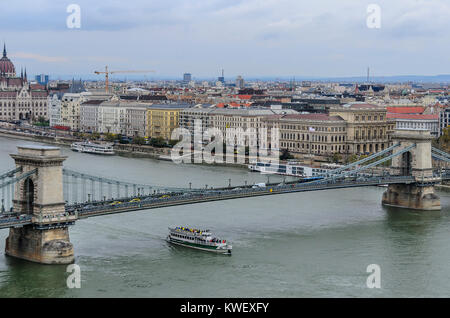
(162, 119)
(189, 116)
(54, 110)
(115, 117)
(89, 111)
(444, 120)
(70, 109)
(235, 123)
(136, 120)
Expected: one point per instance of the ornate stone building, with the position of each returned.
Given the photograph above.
(368, 128)
(18, 99)
(353, 129)
(318, 134)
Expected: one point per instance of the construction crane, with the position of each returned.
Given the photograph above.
(106, 72)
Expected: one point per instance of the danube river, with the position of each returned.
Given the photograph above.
(313, 244)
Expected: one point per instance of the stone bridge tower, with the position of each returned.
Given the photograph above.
(41, 195)
(416, 162)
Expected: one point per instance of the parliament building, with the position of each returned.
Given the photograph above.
(20, 100)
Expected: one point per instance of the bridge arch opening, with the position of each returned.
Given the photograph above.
(28, 194)
(407, 164)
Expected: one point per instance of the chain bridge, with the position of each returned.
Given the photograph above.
(41, 198)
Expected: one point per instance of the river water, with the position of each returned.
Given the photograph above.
(313, 244)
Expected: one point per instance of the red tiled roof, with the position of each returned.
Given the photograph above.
(39, 93)
(413, 116)
(36, 86)
(11, 81)
(405, 109)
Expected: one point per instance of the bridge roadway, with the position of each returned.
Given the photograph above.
(236, 193)
(14, 220)
(91, 209)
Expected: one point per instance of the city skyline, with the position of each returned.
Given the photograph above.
(254, 39)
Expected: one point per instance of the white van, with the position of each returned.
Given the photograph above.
(259, 185)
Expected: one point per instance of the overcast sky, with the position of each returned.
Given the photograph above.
(323, 38)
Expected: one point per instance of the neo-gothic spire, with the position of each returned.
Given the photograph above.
(4, 49)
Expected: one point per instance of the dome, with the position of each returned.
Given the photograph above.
(6, 66)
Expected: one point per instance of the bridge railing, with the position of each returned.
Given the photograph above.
(82, 187)
(57, 218)
(85, 211)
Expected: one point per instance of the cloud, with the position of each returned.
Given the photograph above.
(267, 37)
(40, 58)
(420, 19)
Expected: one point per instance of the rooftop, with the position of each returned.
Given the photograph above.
(361, 105)
(413, 116)
(406, 109)
(315, 117)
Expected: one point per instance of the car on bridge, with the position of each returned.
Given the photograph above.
(116, 203)
(259, 185)
(135, 200)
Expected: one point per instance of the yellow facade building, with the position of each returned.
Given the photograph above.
(162, 120)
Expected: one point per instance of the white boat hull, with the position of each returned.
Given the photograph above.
(226, 250)
(92, 149)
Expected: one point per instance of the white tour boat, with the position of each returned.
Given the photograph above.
(94, 148)
(289, 169)
(198, 239)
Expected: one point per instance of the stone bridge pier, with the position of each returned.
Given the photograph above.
(47, 240)
(419, 195)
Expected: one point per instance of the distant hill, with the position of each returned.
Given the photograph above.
(443, 79)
